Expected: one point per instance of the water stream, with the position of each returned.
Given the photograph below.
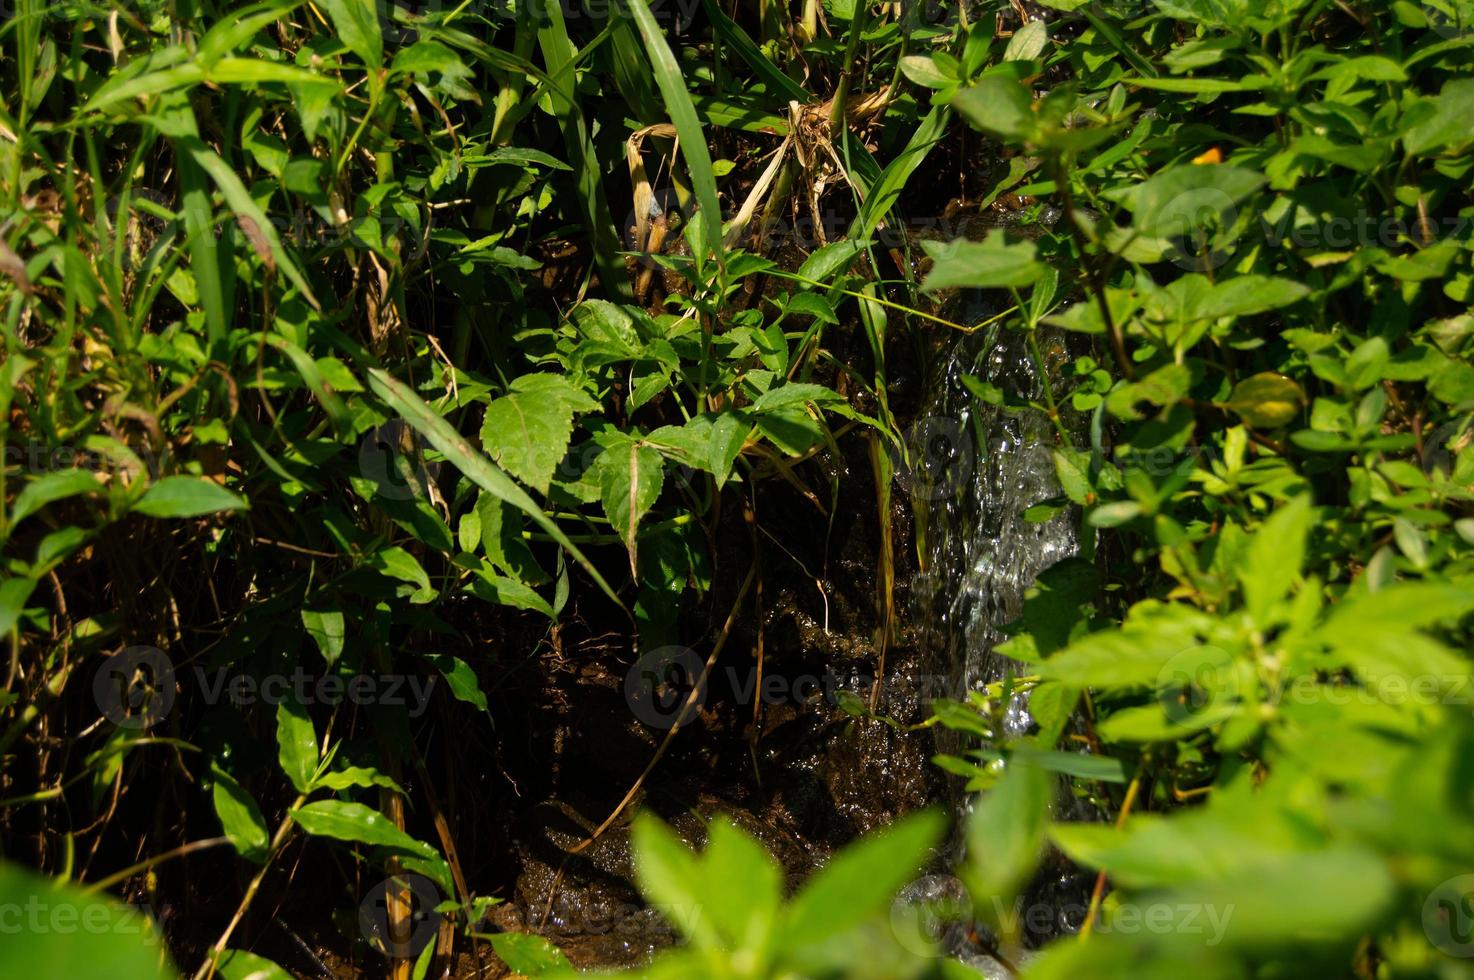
(987, 466)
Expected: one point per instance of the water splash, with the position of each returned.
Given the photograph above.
(981, 554)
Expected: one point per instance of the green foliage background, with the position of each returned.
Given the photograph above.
(291, 373)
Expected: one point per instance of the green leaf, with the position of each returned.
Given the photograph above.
(1267, 401)
(1005, 833)
(630, 477)
(461, 678)
(1274, 557)
(399, 564)
(793, 394)
(357, 24)
(13, 595)
(741, 887)
(346, 821)
(527, 430)
(527, 954)
(477, 468)
(108, 941)
(1443, 121)
(993, 263)
(1177, 200)
(328, 631)
(236, 964)
(999, 106)
(923, 71)
(505, 591)
(832, 259)
(668, 875)
(296, 743)
(240, 817)
(1028, 42)
(1297, 897)
(859, 881)
(187, 496)
(1247, 295)
(356, 777)
(50, 488)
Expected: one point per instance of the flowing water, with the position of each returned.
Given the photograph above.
(986, 465)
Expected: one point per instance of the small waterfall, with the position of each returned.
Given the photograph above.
(982, 555)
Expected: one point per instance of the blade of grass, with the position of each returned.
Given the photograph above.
(553, 40)
(779, 85)
(672, 85)
(886, 189)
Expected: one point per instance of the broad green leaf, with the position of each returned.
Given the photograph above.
(999, 106)
(793, 394)
(237, 964)
(13, 595)
(342, 820)
(669, 878)
(831, 259)
(1181, 199)
(1247, 295)
(399, 564)
(1267, 401)
(527, 430)
(859, 881)
(630, 477)
(461, 678)
(741, 886)
(1028, 42)
(50, 488)
(477, 468)
(993, 263)
(187, 496)
(328, 631)
(240, 817)
(356, 777)
(106, 940)
(1275, 555)
(296, 743)
(527, 954)
(1005, 833)
(1443, 121)
(1297, 897)
(357, 24)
